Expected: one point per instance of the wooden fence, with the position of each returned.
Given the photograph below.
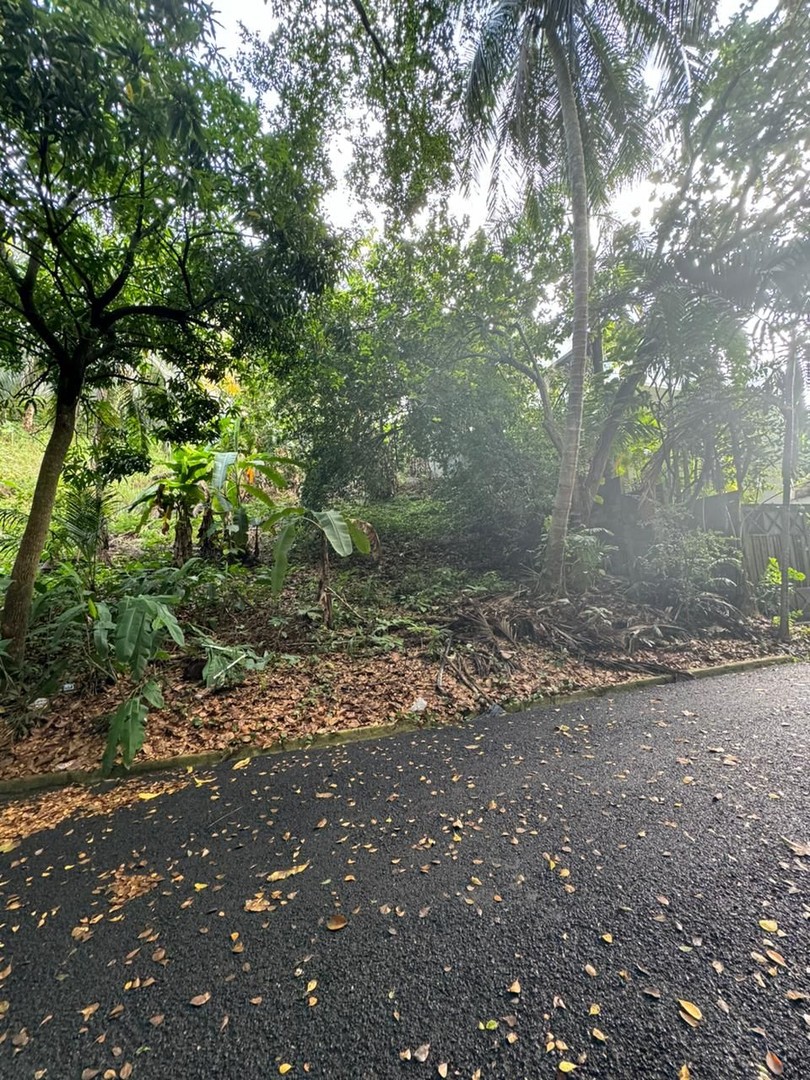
(761, 538)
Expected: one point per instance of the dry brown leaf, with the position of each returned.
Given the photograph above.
(684, 1073)
(775, 1066)
(651, 991)
(421, 1052)
(514, 988)
(126, 1070)
(687, 1019)
(88, 1010)
(797, 995)
(776, 957)
(156, 1020)
(336, 922)
(802, 850)
(200, 999)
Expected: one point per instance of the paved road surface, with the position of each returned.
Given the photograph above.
(616, 854)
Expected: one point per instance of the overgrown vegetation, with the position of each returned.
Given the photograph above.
(238, 439)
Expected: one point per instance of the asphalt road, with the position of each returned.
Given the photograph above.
(603, 860)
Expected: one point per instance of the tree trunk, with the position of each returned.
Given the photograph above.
(554, 564)
(787, 484)
(17, 607)
(607, 437)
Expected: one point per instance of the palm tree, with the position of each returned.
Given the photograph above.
(557, 92)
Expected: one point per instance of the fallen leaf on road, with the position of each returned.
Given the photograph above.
(241, 764)
(590, 970)
(88, 1010)
(770, 926)
(312, 985)
(336, 922)
(566, 1067)
(442, 1070)
(797, 995)
(514, 988)
(200, 999)
(600, 1036)
(421, 1052)
(684, 1073)
(284, 1068)
(282, 875)
(775, 1066)
(691, 1009)
(651, 991)
(607, 938)
(802, 850)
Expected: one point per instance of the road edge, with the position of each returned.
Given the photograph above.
(28, 785)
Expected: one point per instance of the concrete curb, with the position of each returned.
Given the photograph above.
(25, 785)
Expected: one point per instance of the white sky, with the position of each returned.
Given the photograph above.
(339, 206)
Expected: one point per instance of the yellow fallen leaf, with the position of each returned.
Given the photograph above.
(600, 1036)
(336, 922)
(684, 1073)
(8, 845)
(240, 765)
(566, 1067)
(311, 985)
(282, 875)
(88, 1010)
(690, 1008)
(200, 885)
(590, 970)
(770, 926)
(594, 1010)
(284, 1068)
(514, 988)
(607, 938)
(442, 1069)
(146, 795)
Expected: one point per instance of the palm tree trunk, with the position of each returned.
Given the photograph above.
(554, 564)
(788, 459)
(17, 607)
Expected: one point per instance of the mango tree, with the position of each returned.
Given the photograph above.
(144, 212)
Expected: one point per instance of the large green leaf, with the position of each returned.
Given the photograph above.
(336, 530)
(127, 731)
(360, 538)
(222, 462)
(281, 552)
(133, 634)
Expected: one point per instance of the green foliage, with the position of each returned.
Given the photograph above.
(770, 585)
(227, 665)
(696, 575)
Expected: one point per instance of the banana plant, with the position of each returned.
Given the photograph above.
(177, 495)
(340, 533)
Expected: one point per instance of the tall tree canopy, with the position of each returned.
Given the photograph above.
(143, 211)
(558, 90)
